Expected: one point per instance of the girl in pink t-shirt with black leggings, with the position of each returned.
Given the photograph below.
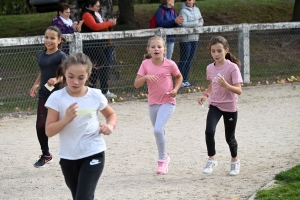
(158, 72)
(225, 86)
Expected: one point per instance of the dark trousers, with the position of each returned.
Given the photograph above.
(82, 175)
(187, 53)
(230, 119)
(41, 117)
(101, 54)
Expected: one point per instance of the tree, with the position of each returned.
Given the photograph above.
(296, 12)
(126, 20)
(106, 9)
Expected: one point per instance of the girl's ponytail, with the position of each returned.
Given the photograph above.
(60, 75)
(233, 59)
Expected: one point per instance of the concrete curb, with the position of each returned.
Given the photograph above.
(264, 187)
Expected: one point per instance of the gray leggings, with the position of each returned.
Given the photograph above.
(159, 115)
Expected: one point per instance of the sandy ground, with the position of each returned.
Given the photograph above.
(268, 134)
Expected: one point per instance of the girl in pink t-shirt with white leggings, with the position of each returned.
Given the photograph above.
(225, 86)
(158, 72)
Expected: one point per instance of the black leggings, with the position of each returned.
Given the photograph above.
(82, 175)
(230, 119)
(42, 112)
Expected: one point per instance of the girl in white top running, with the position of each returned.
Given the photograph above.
(73, 113)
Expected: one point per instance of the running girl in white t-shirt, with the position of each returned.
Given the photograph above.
(73, 113)
(158, 72)
(225, 86)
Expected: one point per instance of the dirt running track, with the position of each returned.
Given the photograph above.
(268, 134)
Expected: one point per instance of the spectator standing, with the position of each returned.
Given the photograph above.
(189, 43)
(99, 51)
(166, 17)
(63, 21)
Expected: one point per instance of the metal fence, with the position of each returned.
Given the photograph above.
(269, 54)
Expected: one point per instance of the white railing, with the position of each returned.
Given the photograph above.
(243, 31)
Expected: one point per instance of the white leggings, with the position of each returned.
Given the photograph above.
(159, 115)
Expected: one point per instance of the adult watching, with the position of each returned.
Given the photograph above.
(99, 51)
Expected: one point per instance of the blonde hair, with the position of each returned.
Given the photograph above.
(148, 56)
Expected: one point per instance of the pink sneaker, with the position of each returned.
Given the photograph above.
(162, 167)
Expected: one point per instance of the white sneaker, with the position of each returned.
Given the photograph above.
(110, 95)
(235, 168)
(209, 166)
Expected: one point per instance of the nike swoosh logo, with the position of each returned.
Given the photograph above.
(95, 162)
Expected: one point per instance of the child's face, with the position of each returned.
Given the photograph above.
(76, 76)
(51, 40)
(157, 49)
(218, 52)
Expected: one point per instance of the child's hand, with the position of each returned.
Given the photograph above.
(152, 78)
(173, 93)
(33, 90)
(71, 112)
(221, 81)
(52, 81)
(202, 99)
(106, 129)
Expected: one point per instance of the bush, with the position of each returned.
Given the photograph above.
(12, 7)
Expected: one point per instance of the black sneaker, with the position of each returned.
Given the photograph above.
(43, 160)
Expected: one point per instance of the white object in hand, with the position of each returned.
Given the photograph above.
(219, 74)
(167, 92)
(202, 106)
(50, 88)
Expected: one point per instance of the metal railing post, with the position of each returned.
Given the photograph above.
(244, 51)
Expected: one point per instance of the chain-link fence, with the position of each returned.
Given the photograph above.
(267, 56)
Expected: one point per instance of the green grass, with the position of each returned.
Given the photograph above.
(288, 189)
(215, 12)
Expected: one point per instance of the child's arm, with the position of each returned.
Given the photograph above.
(111, 120)
(140, 80)
(178, 81)
(236, 88)
(205, 94)
(35, 86)
(54, 125)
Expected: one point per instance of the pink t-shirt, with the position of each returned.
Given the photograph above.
(220, 97)
(157, 90)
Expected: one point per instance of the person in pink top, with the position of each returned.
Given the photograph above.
(225, 86)
(158, 72)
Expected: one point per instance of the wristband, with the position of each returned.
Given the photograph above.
(206, 94)
(114, 125)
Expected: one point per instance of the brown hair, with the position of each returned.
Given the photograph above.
(148, 56)
(73, 59)
(224, 42)
(62, 7)
(59, 34)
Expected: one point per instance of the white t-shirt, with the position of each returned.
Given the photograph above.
(80, 138)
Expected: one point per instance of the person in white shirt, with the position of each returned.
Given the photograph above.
(73, 114)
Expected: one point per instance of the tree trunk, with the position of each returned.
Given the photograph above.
(106, 9)
(74, 7)
(126, 20)
(296, 12)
